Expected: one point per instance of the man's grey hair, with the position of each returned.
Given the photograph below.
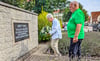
(76, 3)
(49, 15)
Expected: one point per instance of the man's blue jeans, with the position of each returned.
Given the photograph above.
(75, 48)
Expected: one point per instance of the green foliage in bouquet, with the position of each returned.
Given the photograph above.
(43, 36)
(43, 23)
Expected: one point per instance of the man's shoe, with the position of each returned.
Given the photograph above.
(75, 58)
(70, 58)
(79, 58)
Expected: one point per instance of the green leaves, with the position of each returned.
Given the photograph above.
(21, 3)
(61, 23)
(67, 15)
(48, 5)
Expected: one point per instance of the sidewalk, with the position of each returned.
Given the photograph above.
(40, 56)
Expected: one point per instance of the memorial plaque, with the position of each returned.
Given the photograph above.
(21, 31)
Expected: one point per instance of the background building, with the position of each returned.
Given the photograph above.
(95, 17)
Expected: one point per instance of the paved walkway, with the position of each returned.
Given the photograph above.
(40, 56)
(46, 58)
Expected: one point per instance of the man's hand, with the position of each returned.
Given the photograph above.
(48, 33)
(75, 39)
(78, 28)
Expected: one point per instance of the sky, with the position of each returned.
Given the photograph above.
(90, 5)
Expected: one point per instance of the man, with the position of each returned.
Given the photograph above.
(75, 28)
(55, 33)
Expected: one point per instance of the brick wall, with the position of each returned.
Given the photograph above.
(95, 16)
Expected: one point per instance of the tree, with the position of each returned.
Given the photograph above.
(48, 5)
(84, 11)
(67, 15)
(27, 5)
(8, 1)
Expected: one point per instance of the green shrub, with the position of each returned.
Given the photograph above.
(60, 23)
(63, 47)
(64, 44)
(90, 45)
(43, 22)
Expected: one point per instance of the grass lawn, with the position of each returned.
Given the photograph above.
(90, 45)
